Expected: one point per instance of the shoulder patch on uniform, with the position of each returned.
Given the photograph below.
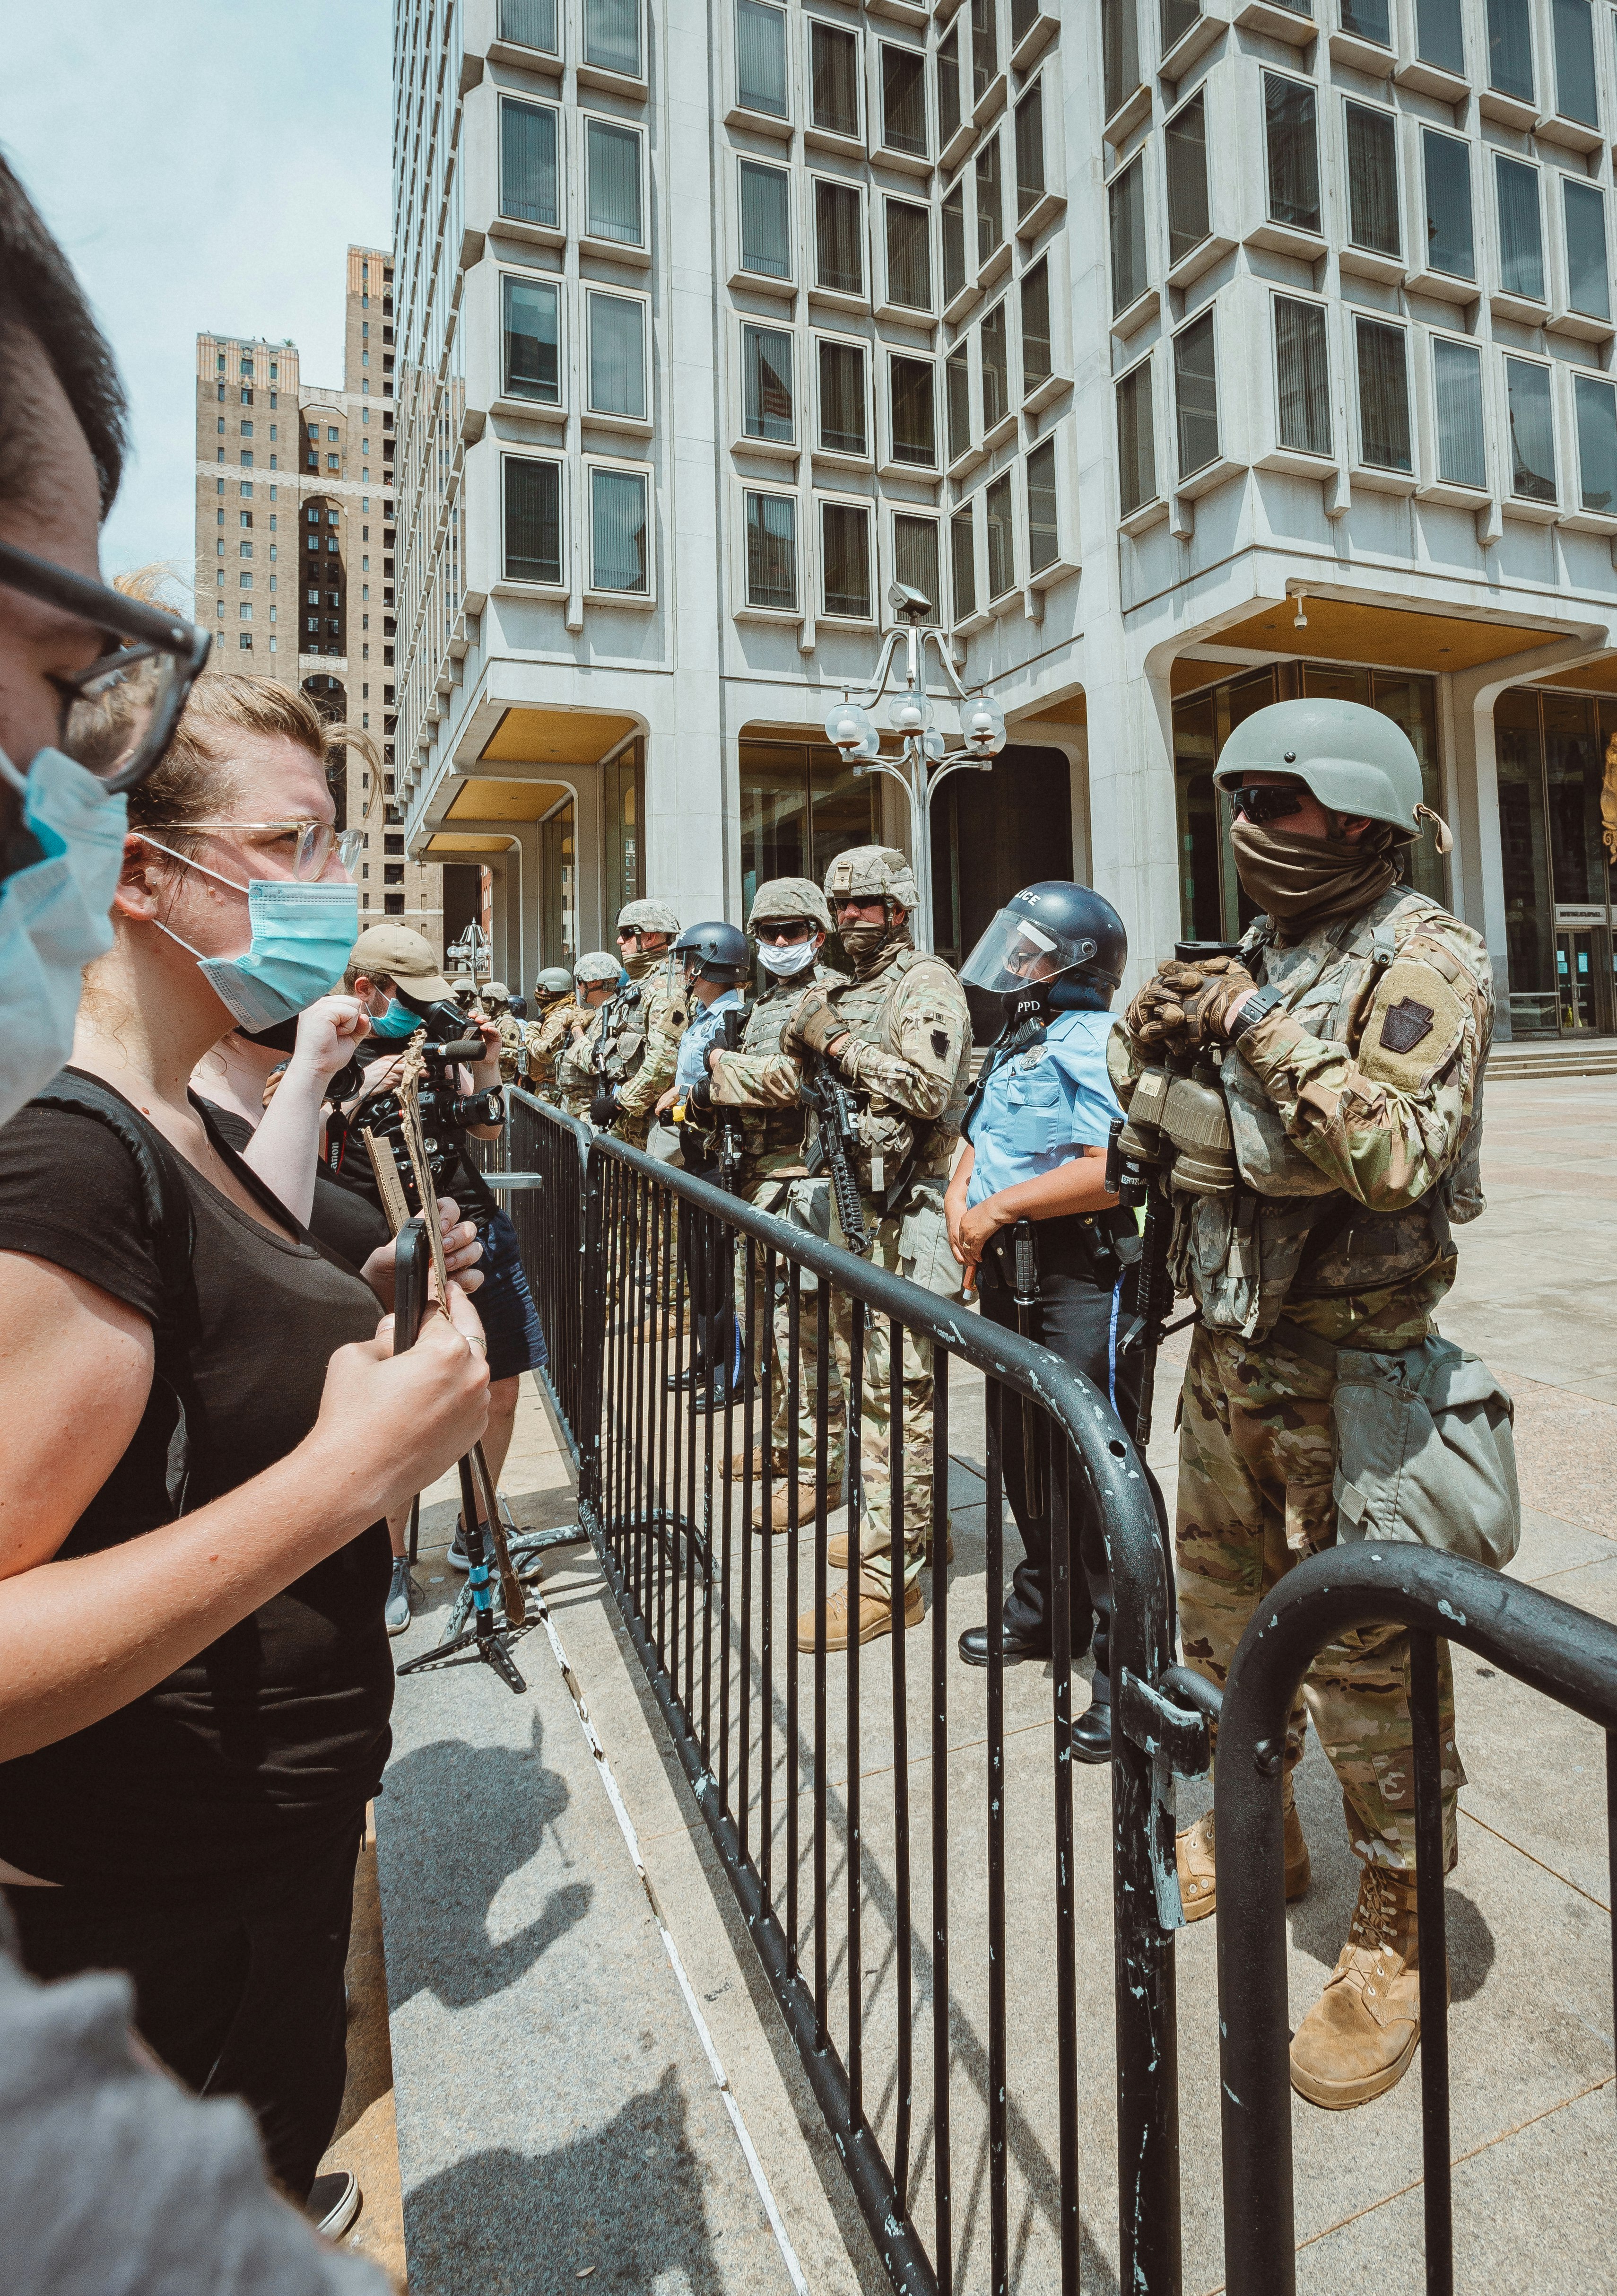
(940, 1042)
(1415, 1022)
(1404, 1024)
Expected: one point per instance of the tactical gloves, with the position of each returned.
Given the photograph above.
(815, 1025)
(1184, 1006)
(603, 1107)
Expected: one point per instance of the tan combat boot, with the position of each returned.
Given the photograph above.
(837, 1549)
(1197, 1872)
(780, 1505)
(875, 1615)
(1360, 2035)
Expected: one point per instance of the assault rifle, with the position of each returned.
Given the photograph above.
(836, 1145)
(727, 1124)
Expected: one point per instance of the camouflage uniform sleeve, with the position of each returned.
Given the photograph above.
(573, 1069)
(1385, 1119)
(1124, 1065)
(664, 1026)
(755, 1080)
(930, 1022)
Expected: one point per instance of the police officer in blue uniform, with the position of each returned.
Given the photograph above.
(1030, 1222)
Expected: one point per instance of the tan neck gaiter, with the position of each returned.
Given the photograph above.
(1303, 881)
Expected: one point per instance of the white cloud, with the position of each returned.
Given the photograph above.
(204, 165)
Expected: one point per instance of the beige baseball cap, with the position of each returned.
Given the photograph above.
(395, 952)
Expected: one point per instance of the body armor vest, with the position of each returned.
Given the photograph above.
(904, 1144)
(774, 1140)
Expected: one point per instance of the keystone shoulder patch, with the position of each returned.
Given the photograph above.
(940, 1042)
(1404, 1024)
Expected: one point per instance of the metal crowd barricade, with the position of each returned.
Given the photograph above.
(542, 1143)
(885, 1938)
(1566, 1653)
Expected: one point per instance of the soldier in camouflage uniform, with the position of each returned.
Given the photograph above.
(496, 1003)
(1349, 1037)
(637, 1039)
(900, 1033)
(789, 921)
(595, 978)
(546, 1035)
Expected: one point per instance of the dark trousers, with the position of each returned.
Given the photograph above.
(1079, 1320)
(244, 1999)
(707, 1256)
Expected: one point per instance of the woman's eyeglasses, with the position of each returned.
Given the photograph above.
(117, 716)
(315, 841)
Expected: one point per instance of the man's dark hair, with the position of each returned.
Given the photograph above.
(40, 297)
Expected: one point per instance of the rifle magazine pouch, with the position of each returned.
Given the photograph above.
(1426, 1452)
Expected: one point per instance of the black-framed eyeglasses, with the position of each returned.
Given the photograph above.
(117, 716)
(1269, 804)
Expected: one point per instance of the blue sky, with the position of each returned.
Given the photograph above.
(174, 224)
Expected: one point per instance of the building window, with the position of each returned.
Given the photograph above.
(619, 557)
(909, 255)
(954, 241)
(1372, 172)
(842, 428)
(990, 218)
(1302, 376)
(834, 79)
(1450, 246)
(1002, 550)
(761, 58)
(1596, 407)
(617, 356)
(985, 48)
(1439, 36)
(533, 521)
(1185, 160)
(1119, 53)
(962, 564)
(800, 807)
(766, 383)
(1368, 19)
(1136, 440)
(1195, 395)
(531, 24)
(765, 223)
(393, 905)
(1587, 283)
(333, 461)
(611, 36)
(1383, 395)
(531, 328)
(1036, 365)
(1457, 388)
(1043, 539)
(530, 180)
(245, 610)
(903, 100)
(1521, 229)
(1126, 216)
(1533, 435)
(1291, 134)
(1029, 151)
(839, 238)
(845, 557)
(957, 385)
(913, 411)
(996, 370)
(915, 561)
(612, 200)
(245, 642)
(771, 551)
(1574, 26)
(948, 84)
(1510, 48)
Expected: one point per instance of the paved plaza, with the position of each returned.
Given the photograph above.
(558, 2122)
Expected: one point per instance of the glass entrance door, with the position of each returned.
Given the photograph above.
(1584, 984)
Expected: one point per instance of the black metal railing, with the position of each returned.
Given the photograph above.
(1566, 1653)
(548, 1221)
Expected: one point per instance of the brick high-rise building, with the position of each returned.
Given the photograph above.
(294, 568)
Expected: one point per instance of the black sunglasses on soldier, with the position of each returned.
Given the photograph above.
(1268, 804)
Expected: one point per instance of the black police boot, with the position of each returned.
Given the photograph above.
(722, 1390)
(693, 1375)
(1092, 1735)
(1015, 1646)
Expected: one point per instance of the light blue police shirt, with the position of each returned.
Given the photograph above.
(701, 1033)
(1041, 1104)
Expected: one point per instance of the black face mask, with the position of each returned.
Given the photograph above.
(1024, 1008)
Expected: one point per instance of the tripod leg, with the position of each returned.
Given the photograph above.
(510, 1586)
(415, 1529)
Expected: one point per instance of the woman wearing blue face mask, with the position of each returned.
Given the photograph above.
(170, 1324)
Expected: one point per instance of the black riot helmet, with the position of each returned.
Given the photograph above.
(1055, 941)
(714, 951)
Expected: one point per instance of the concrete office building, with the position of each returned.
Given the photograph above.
(294, 568)
(1187, 357)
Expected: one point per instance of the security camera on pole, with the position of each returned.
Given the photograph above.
(922, 762)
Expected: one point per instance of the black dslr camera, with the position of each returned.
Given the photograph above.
(445, 1111)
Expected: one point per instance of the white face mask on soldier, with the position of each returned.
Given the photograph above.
(796, 956)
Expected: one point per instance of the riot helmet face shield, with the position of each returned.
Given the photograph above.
(1016, 953)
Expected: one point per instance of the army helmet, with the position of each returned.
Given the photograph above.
(1354, 759)
(866, 871)
(597, 966)
(1076, 929)
(554, 981)
(497, 992)
(647, 916)
(789, 897)
(714, 951)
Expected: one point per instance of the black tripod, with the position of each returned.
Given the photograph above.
(480, 1643)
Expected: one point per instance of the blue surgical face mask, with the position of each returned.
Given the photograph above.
(301, 936)
(53, 917)
(397, 1020)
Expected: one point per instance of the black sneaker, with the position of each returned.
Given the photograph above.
(457, 1558)
(333, 2203)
